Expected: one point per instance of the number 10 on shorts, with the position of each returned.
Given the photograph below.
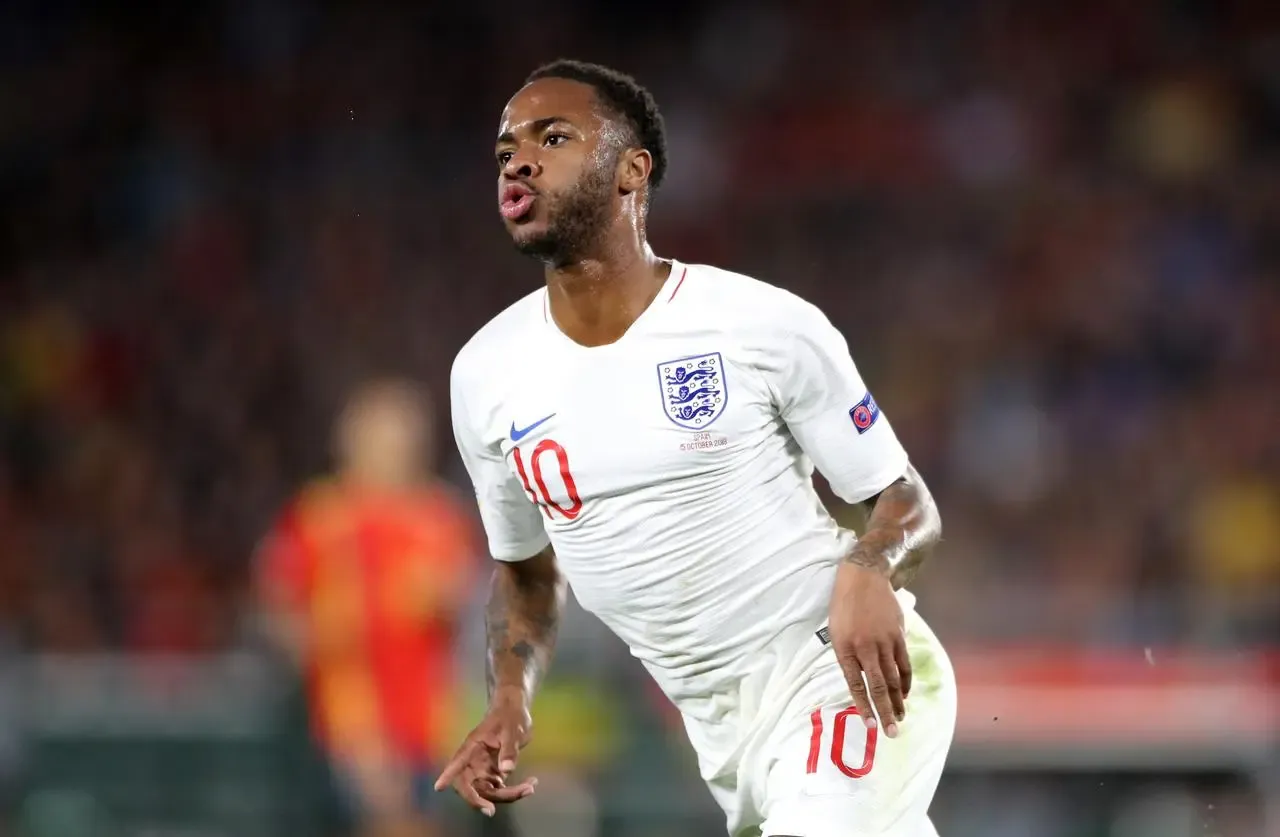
(833, 741)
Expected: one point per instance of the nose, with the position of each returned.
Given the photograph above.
(521, 166)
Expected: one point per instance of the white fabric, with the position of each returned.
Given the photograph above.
(893, 780)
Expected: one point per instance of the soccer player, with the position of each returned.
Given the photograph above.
(647, 430)
(361, 579)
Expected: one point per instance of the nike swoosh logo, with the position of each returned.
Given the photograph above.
(517, 435)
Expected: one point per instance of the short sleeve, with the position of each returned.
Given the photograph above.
(826, 405)
(511, 520)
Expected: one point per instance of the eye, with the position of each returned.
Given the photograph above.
(504, 157)
(556, 139)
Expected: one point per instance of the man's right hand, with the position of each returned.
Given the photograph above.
(480, 768)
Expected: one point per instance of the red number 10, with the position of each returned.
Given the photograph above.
(837, 744)
(543, 497)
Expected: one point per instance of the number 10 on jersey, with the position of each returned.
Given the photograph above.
(572, 504)
(839, 726)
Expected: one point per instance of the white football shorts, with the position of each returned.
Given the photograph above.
(817, 771)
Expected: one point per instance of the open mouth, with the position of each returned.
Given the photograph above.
(517, 201)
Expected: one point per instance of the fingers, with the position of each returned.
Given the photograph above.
(469, 789)
(506, 795)
(881, 693)
(878, 688)
(903, 659)
(456, 765)
(486, 793)
(858, 688)
(478, 781)
(893, 682)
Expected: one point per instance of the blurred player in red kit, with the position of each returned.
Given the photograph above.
(362, 578)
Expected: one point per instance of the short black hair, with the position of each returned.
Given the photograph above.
(626, 99)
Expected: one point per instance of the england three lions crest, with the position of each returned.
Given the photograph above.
(694, 392)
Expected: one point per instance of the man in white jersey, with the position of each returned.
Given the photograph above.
(647, 430)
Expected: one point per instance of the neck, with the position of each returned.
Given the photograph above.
(376, 479)
(597, 297)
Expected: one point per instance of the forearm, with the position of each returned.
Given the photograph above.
(902, 529)
(521, 622)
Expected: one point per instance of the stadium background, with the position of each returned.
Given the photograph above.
(1050, 232)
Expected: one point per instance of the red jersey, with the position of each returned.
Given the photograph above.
(374, 579)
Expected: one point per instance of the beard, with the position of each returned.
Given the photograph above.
(576, 218)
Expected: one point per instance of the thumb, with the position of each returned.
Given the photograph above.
(508, 749)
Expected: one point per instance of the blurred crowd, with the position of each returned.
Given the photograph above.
(1051, 234)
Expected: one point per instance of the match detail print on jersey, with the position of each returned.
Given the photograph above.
(694, 390)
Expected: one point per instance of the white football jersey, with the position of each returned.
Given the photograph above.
(672, 473)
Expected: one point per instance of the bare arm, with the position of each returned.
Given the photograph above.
(903, 526)
(866, 619)
(521, 621)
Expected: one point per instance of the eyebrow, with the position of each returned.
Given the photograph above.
(538, 126)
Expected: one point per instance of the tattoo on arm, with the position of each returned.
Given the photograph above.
(521, 623)
(902, 529)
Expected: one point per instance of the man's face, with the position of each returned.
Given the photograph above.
(384, 435)
(557, 160)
